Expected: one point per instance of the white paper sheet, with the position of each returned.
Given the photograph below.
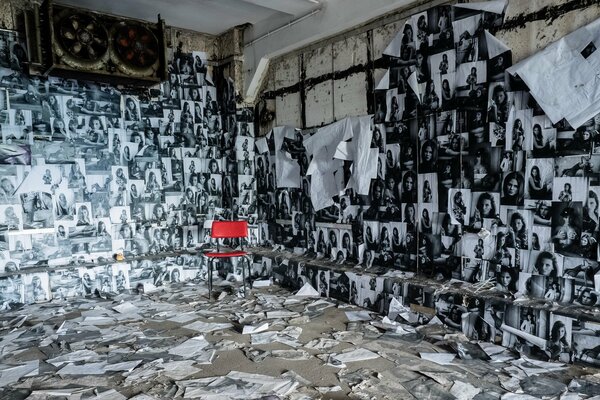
(289, 336)
(393, 326)
(297, 377)
(414, 85)
(291, 355)
(204, 327)
(495, 46)
(322, 146)
(358, 316)
(191, 347)
(147, 371)
(126, 308)
(395, 45)
(73, 357)
(515, 396)
(491, 349)
(237, 385)
(464, 390)
(560, 72)
(179, 370)
(355, 355)
(287, 169)
(281, 314)
(149, 287)
(261, 283)
(66, 393)
(143, 396)
(510, 383)
(384, 83)
(435, 321)
(184, 317)
(322, 344)
(398, 309)
(439, 358)
(328, 389)
(441, 377)
(111, 394)
(541, 343)
(261, 145)
(13, 374)
(248, 329)
(205, 357)
(84, 369)
(344, 152)
(322, 183)
(318, 305)
(535, 367)
(307, 291)
(127, 366)
(98, 321)
(364, 167)
(493, 6)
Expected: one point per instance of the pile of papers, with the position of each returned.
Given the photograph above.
(175, 343)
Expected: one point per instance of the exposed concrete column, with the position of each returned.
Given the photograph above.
(229, 54)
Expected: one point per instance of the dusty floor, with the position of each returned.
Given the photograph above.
(88, 349)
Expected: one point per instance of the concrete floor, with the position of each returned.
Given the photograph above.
(147, 332)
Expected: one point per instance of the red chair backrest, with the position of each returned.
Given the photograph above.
(229, 229)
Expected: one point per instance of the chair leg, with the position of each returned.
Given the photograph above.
(210, 268)
(250, 282)
(244, 276)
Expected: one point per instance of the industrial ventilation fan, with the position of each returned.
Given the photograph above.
(79, 43)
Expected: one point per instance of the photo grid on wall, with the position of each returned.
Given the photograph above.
(473, 183)
(88, 171)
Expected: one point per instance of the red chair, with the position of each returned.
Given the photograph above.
(227, 230)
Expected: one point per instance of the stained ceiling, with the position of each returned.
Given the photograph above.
(208, 16)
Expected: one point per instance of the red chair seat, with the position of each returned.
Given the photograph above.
(225, 254)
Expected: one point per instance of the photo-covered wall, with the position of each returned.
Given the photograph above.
(472, 182)
(88, 170)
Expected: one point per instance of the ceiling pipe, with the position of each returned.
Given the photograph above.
(289, 24)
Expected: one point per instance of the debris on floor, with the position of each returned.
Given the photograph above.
(175, 343)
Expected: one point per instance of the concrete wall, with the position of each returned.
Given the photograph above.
(329, 80)
(9, 12)
(228, 54)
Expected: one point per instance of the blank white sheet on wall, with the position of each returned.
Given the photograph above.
(564, 78)
(287, 169)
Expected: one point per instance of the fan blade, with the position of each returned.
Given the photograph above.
(144, 38)
(91, 52)
(99, 49)
(75, 24)
(69, 35)
(68, 28)
(76, 48)
(132, 33)
(100, 43)
(90, 26)
(129, 55)
(123, 42)
(99, 32)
